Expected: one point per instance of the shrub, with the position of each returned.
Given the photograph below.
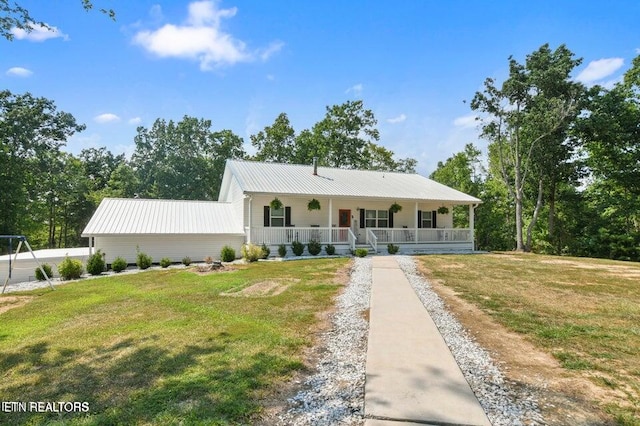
(282, 250)
(143, 260)
(251, 252)
(186, 261)
(118, 264)
(314, 247)
(47, 270)
(266, 251)
(392, 249)
(165, 262)
(208, 260)
(361, 252)
(330, 249)
(70, 269)
(297, 247)
(227, 254)
(96, 264)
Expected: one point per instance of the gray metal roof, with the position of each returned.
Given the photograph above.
(295, 179)
(140, 216)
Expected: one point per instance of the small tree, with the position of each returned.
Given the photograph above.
(70, 269)
(96, 264)
(47, 270)
(297, 247)
(143, 260)
(314, 247)
(282, 250)
(227, 254)
(165, 262)
(119, 264)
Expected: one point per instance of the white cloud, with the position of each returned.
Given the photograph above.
(39, 33)
(597, 70)
(398, 119)
(638, 50)
(200, 38)
(466, 121)
(106, 118)
(19, 72)
(355, 89)
(135, 120)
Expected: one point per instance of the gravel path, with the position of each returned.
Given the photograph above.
(503, 404)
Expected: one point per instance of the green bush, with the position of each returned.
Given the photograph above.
(70, 269)
(392, 249)
(143, 260)
(186, 261)
(297, 247)
(119, 264)
(282, 250)
(266, 251)
(165, 262)
(47, 270)
(251, 252)
(314, 247)
(96, 264)
(361, 252)
(227, 254)
(330, 249)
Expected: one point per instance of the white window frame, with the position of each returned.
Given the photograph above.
(277, 217)
(376, 218)
(427, 214)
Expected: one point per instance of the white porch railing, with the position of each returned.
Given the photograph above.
(277, 235)
(352, 240)
(372, 239)
(421, 235)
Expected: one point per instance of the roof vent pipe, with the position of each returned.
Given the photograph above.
(315, 166)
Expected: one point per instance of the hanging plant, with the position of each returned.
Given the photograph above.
(276, 204)
(443, 210)
(313, 205)
(395, 208)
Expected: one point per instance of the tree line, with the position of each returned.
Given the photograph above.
(49, 195)
(563, 169)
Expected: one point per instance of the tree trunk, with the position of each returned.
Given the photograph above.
(534, 219)
(552, 209)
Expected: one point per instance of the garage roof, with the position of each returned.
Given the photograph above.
(142, 216)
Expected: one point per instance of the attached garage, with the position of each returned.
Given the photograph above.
(163, 228)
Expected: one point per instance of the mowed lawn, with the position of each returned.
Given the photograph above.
(585, 312)
(164, 347)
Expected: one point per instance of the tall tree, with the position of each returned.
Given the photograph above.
(276, 142)
(527, 119)
(30, 129)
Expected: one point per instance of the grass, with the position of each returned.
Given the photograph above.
(162, 347)
(585, 312)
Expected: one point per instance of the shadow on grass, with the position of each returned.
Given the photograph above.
(134, 382)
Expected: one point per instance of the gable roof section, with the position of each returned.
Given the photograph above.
(144, 217)
(295, 179)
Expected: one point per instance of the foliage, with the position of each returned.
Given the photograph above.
(119, 264)
(314, 247)
(276, 204)
(165, 262)
(266, 251)
(443, 210)
(392, 249)
(47, 270)
(143, 260)
(208, 260)
(186, 261)
(395, 208)
(96, 264)
(251, 252)
(282, 250)
(227, 254)
(297, 247)
(361, 252)
(70, 269)
(276, 142)
(330, 249)
(313, 204)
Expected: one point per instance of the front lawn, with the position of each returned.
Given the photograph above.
(584, 312)
(163, 347)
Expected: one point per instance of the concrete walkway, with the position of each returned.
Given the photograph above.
(411, 376)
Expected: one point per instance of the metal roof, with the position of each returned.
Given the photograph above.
(295, 179)
(141, 216)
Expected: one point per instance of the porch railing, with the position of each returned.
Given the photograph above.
(372, 239)
(304, 235)
(421, 235)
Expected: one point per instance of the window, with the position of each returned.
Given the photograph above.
(377, 219)
(277, 217)
(427, 219)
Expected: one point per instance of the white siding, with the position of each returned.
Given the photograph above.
(175, 247)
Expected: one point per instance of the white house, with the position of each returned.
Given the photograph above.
(355, 210)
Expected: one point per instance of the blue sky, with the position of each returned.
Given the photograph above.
(240, 63)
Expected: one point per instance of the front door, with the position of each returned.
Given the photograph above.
(344, 218)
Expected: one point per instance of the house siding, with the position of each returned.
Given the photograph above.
(175, 247)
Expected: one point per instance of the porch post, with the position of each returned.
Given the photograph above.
(330, 220)
(415, 218)
(472, 225)
(249, 222)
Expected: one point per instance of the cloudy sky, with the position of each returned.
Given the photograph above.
(241, 63)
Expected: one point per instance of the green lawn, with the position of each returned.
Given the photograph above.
(585, 312)
(162, 347)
